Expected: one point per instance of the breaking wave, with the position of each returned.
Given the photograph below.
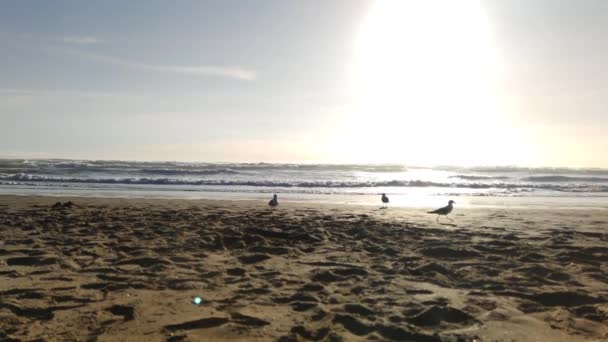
(188, 171)
(298, 184)
(470, 177)
(177, 168)
(551, 179)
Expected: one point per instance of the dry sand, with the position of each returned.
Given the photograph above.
(128, 270)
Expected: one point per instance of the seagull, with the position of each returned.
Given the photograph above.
(443, 211)
(274, 202)
(384, 200)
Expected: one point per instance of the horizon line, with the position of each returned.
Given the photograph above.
(438, 166)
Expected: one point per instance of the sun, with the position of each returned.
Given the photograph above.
(423, 81)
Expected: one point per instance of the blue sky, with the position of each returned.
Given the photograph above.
(97, 77)
(272, 81)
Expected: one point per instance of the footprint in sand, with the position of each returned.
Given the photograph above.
(436, 315)
(253, 258)
(126, 311)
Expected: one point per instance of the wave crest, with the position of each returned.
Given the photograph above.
(553, 178)
(22, 177)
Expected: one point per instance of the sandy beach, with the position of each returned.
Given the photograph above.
(129, 270)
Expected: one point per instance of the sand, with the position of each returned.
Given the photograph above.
(128, 270)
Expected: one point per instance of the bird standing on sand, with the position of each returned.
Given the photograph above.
(443, 211)
(274, 202)
(384, 200)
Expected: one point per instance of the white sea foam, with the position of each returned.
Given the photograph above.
(333, 179)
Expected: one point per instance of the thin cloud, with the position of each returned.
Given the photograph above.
(35, 93)
(12, 97)
(80, 40)
(234, 72)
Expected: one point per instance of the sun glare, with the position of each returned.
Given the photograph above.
(423, 83)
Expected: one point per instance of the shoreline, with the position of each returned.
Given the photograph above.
(397, 201)
(130, 268)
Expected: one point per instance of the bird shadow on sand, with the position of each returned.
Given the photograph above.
(448, 224)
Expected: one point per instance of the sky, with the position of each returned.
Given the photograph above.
(344, 81)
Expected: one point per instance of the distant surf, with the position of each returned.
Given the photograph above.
(25, 179)
(345, 179)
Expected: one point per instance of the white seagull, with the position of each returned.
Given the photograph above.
(384, 200)
(443, 211)
(274, 202)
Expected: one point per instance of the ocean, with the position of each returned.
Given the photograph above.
(340, 184)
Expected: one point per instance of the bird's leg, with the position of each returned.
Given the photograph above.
(449, 218)
(437, 218)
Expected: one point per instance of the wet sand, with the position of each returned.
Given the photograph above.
(113, 270)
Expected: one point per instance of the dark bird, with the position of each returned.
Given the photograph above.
(384, 200)
(274, 202)
(443, 211)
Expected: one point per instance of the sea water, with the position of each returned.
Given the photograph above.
(338, 184)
